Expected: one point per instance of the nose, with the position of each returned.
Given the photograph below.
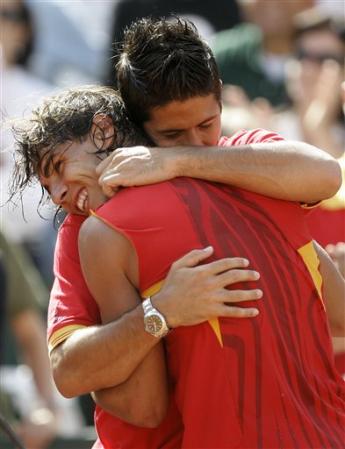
(194, 137)
(58, 193)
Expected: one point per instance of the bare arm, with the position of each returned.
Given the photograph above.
(29, 331)
(333, 291)
(114, 289)
(99, 357)
(292, 171)
(39, 427)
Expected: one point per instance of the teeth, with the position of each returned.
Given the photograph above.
(81, 201)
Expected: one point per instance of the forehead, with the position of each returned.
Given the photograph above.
(49, 155)
(181, 114)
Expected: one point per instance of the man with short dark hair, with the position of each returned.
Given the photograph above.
(228, 389)
(77, 342)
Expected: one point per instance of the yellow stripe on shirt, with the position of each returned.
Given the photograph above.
(62, 334)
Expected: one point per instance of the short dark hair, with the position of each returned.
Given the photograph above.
(164, 60)
(67, 116)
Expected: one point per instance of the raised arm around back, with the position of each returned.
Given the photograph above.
(333, 292)
(285, 170)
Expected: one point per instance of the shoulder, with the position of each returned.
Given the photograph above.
(247, 137)
(101, 242)
(67, 237)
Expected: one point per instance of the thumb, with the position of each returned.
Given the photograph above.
(108, 190)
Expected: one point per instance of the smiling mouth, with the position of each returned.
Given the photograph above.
(81, 202)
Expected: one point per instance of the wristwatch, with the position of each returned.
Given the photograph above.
(154, 321)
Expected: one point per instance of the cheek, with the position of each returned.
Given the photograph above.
(213, 135)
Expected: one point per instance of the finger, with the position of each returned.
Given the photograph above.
(228, 263)
(193, 258)
(241, 295)
(330, 248)
(233, 276)
(237, 312)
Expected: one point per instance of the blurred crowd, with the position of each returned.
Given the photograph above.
(282, 66)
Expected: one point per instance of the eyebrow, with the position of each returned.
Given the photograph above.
(48, 158)
(170, 130)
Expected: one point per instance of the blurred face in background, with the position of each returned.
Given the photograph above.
(15, 30)
(318, 65)
(274, 17)
(315, 47)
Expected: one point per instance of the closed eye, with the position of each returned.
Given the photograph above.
(57, 165)
(206, 125)
(172, 134)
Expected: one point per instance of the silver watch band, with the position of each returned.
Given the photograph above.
(147, 305)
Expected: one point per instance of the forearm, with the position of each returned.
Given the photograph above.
(136, 400)
(292, 171)
(100, 357)
(333, 292)
(30, 334)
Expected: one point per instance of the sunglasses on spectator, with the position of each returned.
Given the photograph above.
(318, 57)
(13, 15)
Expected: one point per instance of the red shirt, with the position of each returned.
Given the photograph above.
(252, 383)
(72, 305)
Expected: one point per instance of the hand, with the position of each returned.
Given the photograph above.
(337, 254)
(194, 293)
(135, 166)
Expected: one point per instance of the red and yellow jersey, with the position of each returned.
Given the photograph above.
(72, 307)
(251, 383)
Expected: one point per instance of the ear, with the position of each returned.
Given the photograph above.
(103, 131)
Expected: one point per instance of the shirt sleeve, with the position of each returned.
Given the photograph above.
(71, 305)
(259, 135)
(247, 137)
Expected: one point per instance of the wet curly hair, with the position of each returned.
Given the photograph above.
(67, 116)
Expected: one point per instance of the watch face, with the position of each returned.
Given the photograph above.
(153, 324)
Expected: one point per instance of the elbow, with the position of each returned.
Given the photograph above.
(152, 419)
(63, 384)
(135, 413)
(147, 420)
(337, 329)
(66, 380)
(332, 179)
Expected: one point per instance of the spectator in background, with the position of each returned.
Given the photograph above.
(209, 17)
(70, 34)
(314, 81)
(252, 55)
(20, 92)
(38, 419)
